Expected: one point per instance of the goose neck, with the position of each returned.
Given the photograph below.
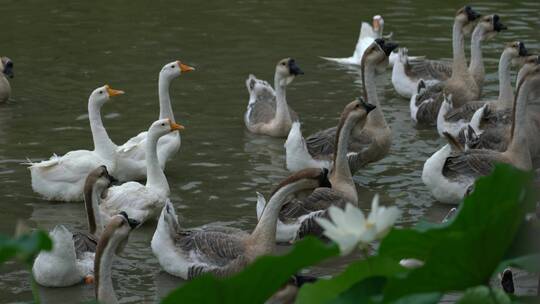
(341, 177)
(103, 265)
(476, 67)
(459, 63)
(103, 144)
(518, 149)
(264, 234)
(282, 109)
(91, 201)
(506, 94)
(155, 178)
(375, 117)
(165, 107)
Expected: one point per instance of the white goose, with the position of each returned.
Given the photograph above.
(188, 253)
(142, 202)
(71, 260)
(368, 34)
(131, 155)
(451, 172)
(62, 178)
(114, 239)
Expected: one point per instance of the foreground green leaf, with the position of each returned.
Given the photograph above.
(25, 247)
(258, 281)
(465, 251)
(484, 295)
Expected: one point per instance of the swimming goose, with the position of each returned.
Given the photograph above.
(370, 143)
(6, 66)
(142, 202)
(71, 260)
(463, 86)
(131, 155)
(62, 177)
(452, 120)
(368, 34)
(296, 218)
(449, 175)
(114, 240)
(271, 115)
(188, 253)
(492, 123)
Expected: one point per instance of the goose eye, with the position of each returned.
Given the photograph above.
(172, 66)
(163, 124)
(100, 92)
(283, 63)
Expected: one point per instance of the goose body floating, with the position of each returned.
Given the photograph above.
(188, 253)
(62, 178)
(368, 143)
(268, 112)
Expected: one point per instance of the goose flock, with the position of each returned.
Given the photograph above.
(124, 186)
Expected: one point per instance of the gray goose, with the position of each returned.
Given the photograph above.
(464, 85)
(188, 253)
(369, 142)
(297, 217)
(268, 112)
(451, 172)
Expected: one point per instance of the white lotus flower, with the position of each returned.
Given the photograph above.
(350, 229)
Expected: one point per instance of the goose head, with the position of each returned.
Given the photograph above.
(357, 111)
(98, 179)
(117, 231)
(311, 177)
(489, 26)
(7, 66)
(102, 94)
(164, 126)
(517, 51)
(169, 216)
(378, 25)
(378, 53)
(529, 63)
(466, 16)
(62, 243)
(174, 69)
(286, 71)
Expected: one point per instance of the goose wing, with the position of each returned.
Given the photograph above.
(215, 248)
(471, 163)
(84, 242)
(428, 69)
(465, 112)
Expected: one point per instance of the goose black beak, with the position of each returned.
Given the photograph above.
(522, 49)
(294, 69)
(367, 106)
(497, 25)
(471, 14)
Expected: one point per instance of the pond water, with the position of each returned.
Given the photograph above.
(62, 50)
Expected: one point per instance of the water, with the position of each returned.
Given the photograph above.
(63, 50)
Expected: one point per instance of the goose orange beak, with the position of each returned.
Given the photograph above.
(185, 68)
(175, 126)
(112, 92)
(89, 279)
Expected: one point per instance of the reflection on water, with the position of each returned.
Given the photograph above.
(64, 51)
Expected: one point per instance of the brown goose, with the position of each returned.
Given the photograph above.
(492, 125)
(464, 85)
(188, 253)
(370, 142)
(452, 120)
(296, 218)
(450, 174)
(268, 113)
(112, 242)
